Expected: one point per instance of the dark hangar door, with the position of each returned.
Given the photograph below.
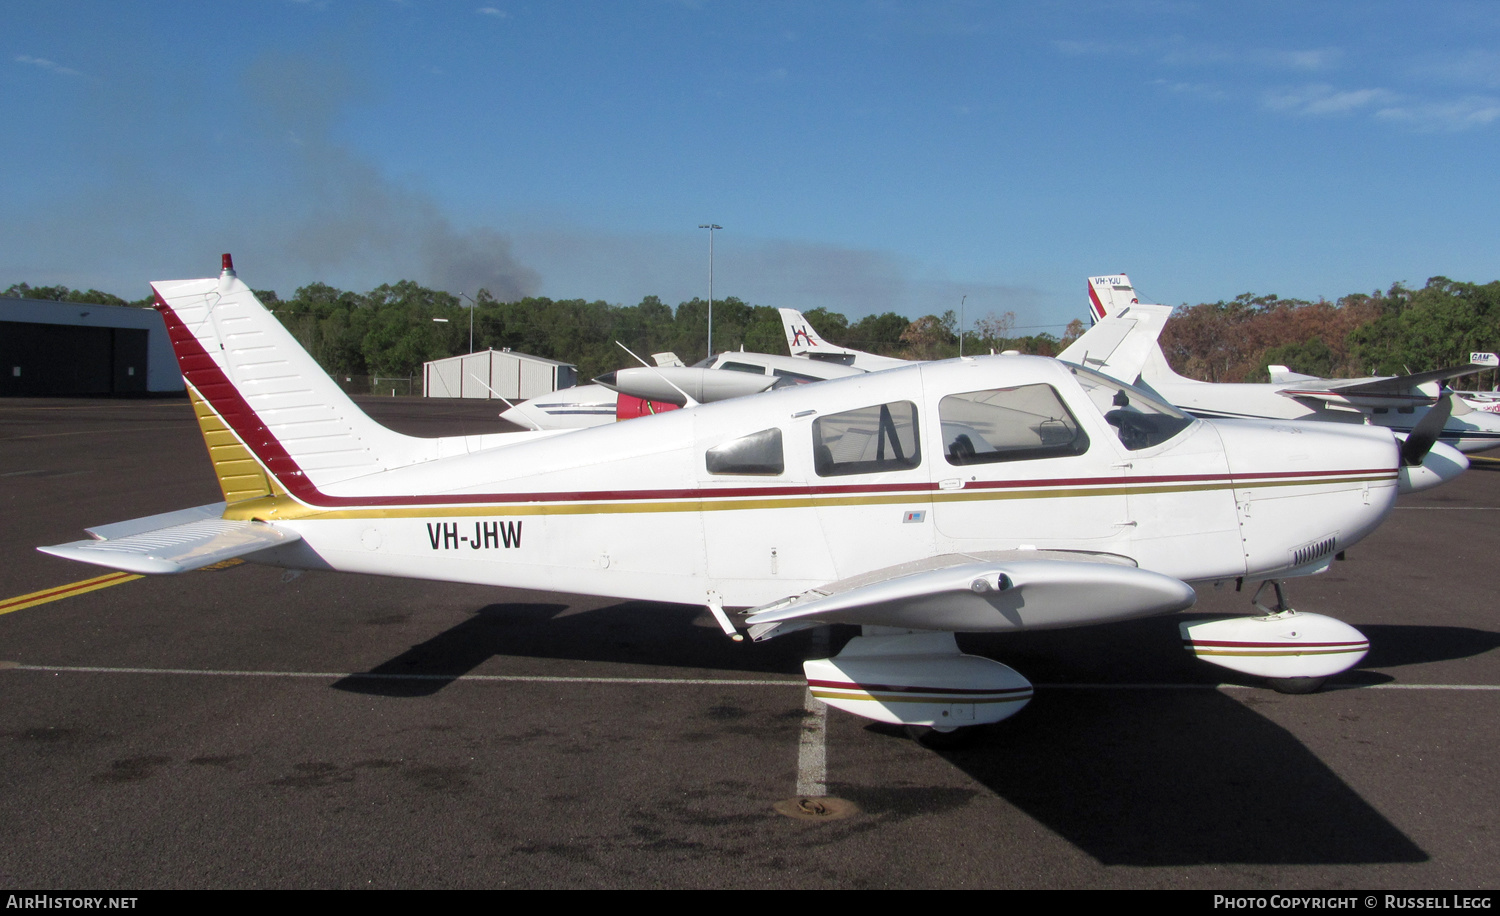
(51, 360)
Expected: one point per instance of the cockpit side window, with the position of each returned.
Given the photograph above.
(757, 453)
(1139, 419)
(1009, 424)
(867, 440)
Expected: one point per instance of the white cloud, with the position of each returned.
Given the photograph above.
(46, 64)
(1468, 68)
(1458, 114)
(492, 11)
(1075, 48)
(1322, 99)
(1423, 114)
(1206, 91)
(1212, 55)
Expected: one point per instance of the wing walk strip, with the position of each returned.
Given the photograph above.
(653, 681)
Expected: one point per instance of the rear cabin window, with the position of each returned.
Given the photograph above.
(744, 367)
(867, 440)
(757, 453)
(1008, 424)
(796, 378)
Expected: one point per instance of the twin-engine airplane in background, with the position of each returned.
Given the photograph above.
(1123, 344)
(984, 494)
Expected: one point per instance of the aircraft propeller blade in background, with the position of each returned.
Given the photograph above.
(1420, 441)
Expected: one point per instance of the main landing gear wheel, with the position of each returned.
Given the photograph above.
(1296, 685)
(943, 739)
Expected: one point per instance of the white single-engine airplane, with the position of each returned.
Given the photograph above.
(1123, 344)
(981, 495)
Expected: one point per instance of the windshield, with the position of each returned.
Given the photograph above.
(1140, 420)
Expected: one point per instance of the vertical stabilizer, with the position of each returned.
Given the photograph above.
(802, 339)
(270, 415)
(1109, 295)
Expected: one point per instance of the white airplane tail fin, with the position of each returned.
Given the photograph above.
(1108, 295)
(802, 338)
(273, 420)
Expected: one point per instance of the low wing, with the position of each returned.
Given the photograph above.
(983, 592)
(1398, 390)
(1281, 375)
(174, 542)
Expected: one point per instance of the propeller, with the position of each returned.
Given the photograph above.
(1419, 441)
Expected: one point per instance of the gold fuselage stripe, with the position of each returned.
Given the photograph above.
(286, 508)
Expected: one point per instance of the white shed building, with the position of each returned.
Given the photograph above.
(491, 373)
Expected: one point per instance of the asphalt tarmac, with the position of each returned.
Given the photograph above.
(240, 727)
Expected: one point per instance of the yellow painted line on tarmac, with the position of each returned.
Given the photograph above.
(1480, 459)
(66, 591)
(90, 585)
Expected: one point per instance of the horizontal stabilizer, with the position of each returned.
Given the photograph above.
(175, 548)
(975, 595)
(1119, 344)
(154, 522)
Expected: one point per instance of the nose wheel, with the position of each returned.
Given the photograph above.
(1296, 685)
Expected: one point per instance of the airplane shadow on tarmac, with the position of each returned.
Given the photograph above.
(633, 633)
(1131, 777)
(1170, 778)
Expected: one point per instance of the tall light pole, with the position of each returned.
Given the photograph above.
(710, 227)
(961, 323)
(473, 305)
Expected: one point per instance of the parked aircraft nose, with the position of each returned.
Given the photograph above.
(1441, 464)
(1305, 491)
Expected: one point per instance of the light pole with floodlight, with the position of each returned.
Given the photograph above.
(710, 227)
(472, 306)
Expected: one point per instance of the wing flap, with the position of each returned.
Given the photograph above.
(174, 548)
(972, 595)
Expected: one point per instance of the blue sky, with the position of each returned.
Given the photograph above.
(864, 156)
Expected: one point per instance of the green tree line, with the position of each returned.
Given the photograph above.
(389, 331)
(1380, 333)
